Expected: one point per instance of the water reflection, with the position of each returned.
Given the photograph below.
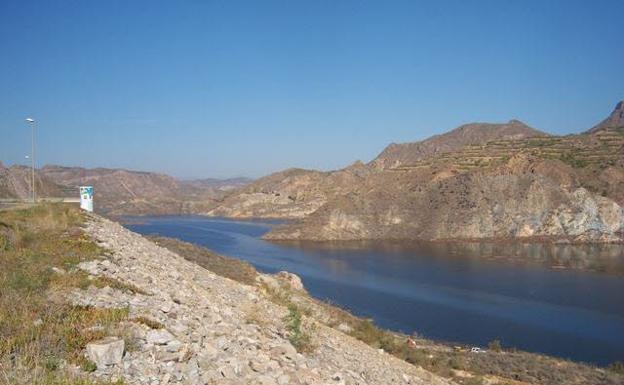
(603, 258)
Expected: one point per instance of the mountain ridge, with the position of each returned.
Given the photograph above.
(615, 121)
(478, 181)
(118, 191)
(397, 154)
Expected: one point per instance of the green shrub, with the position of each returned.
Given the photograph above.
(297, 337)
(4, 242)
(495, 345)
(88, 366)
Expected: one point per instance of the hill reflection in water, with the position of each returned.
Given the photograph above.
(602, 258)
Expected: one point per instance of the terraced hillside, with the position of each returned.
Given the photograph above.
(603, 149)
(530, 186)
(397, 155)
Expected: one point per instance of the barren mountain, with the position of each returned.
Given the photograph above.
(15, 182)
(125, 192)
(294, 193)
(119, 191)
(469, 134)
(495, 181)
(228, 184)
(525, 196)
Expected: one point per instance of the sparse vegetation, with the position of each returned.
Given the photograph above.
(150, 323)
(87, 365)
(224, 266)
(572, 160)
(255, 315)
(81, 280)
(495, 346)
(117, 284)
(38, 333)
(617, 367)
(299, 338)
(473, 381)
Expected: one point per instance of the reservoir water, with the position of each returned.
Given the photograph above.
(566, 301)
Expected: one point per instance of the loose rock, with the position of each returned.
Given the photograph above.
(107, 351)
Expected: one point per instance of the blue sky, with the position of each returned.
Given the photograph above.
(244, 88)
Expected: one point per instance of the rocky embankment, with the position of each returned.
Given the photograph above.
(190, 326)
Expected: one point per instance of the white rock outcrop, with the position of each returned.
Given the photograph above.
(107, 351)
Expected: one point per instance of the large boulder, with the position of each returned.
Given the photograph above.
(283, 280)
(159, 337)
(107, 351)
(293, 281)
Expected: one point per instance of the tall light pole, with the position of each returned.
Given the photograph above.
(31, 122)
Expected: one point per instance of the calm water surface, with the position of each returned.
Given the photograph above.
(566, 301)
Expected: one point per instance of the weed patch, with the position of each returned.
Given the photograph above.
(299, 338)
(150, 323)
(38, 334)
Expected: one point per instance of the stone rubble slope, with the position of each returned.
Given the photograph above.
(215, 330)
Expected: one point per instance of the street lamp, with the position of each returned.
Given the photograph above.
(31, 122)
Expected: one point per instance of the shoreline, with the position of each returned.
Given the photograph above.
(505, 356)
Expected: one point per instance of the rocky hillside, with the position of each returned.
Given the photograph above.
(524, 197)
(228, 184)
(124, 192)
(297, 193)
(119, 191)
(494, 181)
(396, 155)
(293, 193)
(15, 182)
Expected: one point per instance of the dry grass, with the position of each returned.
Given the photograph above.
(82, 280)
(255, 315)
(117, 284)
(232, 268)
(38, 335)
(150, 323)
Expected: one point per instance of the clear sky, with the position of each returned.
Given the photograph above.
(244, 88)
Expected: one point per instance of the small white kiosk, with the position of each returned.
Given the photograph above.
(86, 198)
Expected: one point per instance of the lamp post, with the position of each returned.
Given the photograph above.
(31, 122)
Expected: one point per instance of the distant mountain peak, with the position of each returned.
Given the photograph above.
(468, 134)
(614, 121)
